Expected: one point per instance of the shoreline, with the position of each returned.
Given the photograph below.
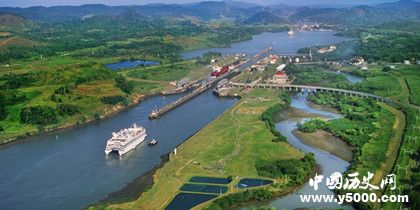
(325, 141)
(119, 109)
(288, 190)
(132, 190)
(146, 179)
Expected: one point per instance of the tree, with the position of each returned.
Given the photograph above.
(124, 85)
(39, 115)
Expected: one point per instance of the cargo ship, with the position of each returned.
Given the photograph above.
(220, 72)
(125, 140)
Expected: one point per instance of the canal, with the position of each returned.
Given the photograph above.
(68, 169)
(280, 41)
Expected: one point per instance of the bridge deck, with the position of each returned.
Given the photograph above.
(308, 87)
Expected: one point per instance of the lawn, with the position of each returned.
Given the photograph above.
(87, 81)
(405, 166)
(411, 76)
(170, 72)
(230, 145)
(382, 84)
(175, 71)
(86, 97)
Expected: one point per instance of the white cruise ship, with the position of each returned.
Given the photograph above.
(125, 140)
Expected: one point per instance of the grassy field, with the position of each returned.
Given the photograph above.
(410, 75)
(399, 84)
(88, 81)
(170, 72)
(175, 71)
(406, 166)
(382, 84)
(86, 97)
(376, 139)
(230, 145)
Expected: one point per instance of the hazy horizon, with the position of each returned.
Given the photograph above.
(48, 3)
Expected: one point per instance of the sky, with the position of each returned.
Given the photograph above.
(28, 3)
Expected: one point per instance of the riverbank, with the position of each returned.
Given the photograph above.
(320, 138)
(327, 142)
(110, 112)
(229, 146)
(133, 189)
(275, 194)
(142, 89)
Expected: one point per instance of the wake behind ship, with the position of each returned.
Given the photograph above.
(125, 140)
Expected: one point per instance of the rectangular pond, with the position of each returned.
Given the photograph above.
(210, 180)
(184, 201)
(245, 183)
(217, 189)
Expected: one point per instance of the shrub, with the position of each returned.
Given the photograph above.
(97, 116)
(65, 89)
(67, 109)
(238, 199)
(294, 170)
(268, 118)
(124, 85)
(39, 115)
(3, 113)
(312, 125)
(113, 100)
(14, 81)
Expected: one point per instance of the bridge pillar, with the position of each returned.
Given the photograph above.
(290, 88)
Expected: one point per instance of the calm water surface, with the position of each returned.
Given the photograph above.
(69, 169)
(130, 64)
(328, 162)
(73, 171)
(280, 41)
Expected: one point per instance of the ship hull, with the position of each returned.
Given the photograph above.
(128, 147)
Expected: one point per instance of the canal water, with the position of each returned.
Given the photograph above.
(68, 169)
(280, 41)
(72, 171)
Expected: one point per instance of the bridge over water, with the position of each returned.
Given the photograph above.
(310, 89)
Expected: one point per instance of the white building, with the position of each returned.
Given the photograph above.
(281, 67)
(327, 49)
